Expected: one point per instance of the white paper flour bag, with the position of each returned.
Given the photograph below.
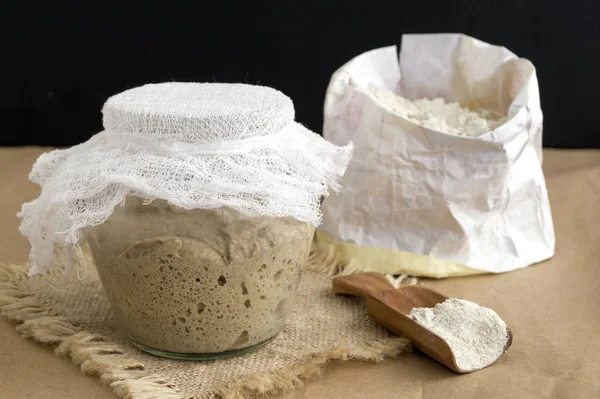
(424, 202)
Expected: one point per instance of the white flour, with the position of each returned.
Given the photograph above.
(476, 334)
(438, 115)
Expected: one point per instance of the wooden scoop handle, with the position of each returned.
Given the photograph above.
(363, 285)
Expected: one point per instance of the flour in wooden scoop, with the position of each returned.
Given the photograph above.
(476, 334)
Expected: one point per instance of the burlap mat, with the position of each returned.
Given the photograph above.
(73, 314)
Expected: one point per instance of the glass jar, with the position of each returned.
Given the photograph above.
(200, 283)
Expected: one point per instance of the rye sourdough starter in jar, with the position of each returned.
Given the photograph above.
(199, 203)
(211, 280)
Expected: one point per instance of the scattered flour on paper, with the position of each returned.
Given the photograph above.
(476, 334)
(438, 115)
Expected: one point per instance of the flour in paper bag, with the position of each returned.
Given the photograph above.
(476, 334)
(437, 114)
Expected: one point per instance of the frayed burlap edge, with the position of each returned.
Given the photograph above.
(94, 354)
(312, 368)
(130, 380)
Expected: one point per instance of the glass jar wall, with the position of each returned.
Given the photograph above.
(200, 283)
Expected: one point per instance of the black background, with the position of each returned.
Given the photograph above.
(62, 60)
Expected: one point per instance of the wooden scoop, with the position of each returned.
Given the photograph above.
(390, 307)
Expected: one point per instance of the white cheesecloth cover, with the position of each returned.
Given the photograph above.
(196, 145)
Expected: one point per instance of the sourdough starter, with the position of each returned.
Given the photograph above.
(199, 281)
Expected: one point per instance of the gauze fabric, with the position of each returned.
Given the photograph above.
(196, 145)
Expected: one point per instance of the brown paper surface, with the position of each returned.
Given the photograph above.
(552, 308)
